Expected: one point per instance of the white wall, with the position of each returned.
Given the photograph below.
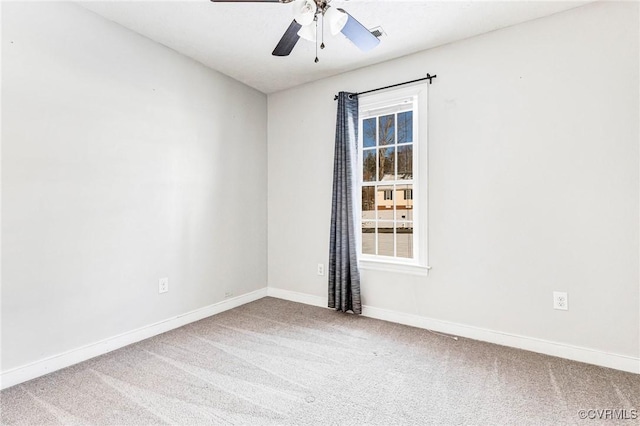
(122, 162)
(534, 184)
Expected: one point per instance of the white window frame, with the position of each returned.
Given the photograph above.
(372, 105)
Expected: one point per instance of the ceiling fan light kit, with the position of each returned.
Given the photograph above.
(304, 11)
(306, 14)
(308, 32)
(337, 19)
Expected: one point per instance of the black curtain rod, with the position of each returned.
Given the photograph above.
(428, 77)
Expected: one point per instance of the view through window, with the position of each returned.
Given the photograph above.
(387, 148)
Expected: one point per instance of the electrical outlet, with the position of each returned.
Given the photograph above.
(560, 300)
(163, 285)
(227, 294)
(320, 269)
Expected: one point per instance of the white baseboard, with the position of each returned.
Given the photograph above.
(562, 350)
(294, 296)
(45, 366)
(40, 368)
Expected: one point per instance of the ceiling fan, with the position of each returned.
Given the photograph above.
(306, 14)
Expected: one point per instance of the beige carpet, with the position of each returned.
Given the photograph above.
(278, 362)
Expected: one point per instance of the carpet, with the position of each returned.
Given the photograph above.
(274, 362)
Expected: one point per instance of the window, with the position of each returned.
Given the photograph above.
(392, 163)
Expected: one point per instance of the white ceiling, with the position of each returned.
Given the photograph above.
(237, 38)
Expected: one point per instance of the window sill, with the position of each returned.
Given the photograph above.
(403, 268)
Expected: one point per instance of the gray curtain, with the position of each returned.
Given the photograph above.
(344, 276)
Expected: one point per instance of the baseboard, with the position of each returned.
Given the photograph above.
(294, 296)
(562, 350)
(45, 366)
(40, 368)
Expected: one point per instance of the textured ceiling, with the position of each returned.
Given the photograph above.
(237, 38)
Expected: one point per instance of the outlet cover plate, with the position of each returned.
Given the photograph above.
(560, 300)
(320, 269)
(163, 285)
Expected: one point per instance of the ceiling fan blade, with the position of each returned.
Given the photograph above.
(288, 40)
(359, 34)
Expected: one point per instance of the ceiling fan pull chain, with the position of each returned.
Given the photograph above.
(316, 22)
(322, 34)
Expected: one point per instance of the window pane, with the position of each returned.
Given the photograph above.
(405, 162)
(404, 239)
(368, 203)
(404, 202)
(387, 130)
(369, 132)
(368, 165)
(384, 199)
(368, 237)
(386, 164)
(368, 220)
(385, 238)
(405, 127)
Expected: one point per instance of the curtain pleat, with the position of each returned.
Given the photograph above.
(344, 276)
